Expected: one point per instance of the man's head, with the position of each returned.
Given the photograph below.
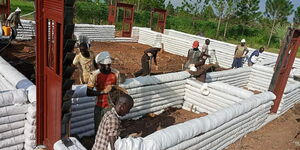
(18, 11)
(261, 49)
(103, 61)
(207, 41)
(124, 104)
(195, 44)
(84, 50)
(243, 42)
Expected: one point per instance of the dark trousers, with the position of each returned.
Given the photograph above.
(237, 63)
(145, 67)
(98, 114)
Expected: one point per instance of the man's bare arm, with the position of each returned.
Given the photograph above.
(112, 140)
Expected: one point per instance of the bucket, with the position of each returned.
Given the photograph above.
(6, 30)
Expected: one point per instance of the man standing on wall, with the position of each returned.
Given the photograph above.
(254, 56)
(85, 62)
(149, 54)
(240, 52)
(102, 79)
(195, 57)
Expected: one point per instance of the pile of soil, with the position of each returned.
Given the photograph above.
(147, 124)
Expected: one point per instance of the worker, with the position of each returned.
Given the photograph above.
(146, 60)
(13, 20)
(240, 52)
(85, 62)
(109, 128)
(102, 79)
(195, 57)
(205, 47)
(254, 56)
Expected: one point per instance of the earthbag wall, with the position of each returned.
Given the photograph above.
(212, 97)
(214, 131)
(82, 120)
(225, 51)
(155, 93)
(15, 109)
(236, 77)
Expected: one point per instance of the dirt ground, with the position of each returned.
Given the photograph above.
(280, 134)
(21, 55)
(147, 125)
(128, 57)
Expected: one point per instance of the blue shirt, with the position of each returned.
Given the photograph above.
(255, 53)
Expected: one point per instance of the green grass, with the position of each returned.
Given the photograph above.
(25, 6)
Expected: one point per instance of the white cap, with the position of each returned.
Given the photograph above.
(243, 41)
(157, 45)
(103, 58)
(18, 9)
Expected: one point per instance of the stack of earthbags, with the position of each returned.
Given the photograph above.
(82, 120)
(30, 128)
(152, 94)
(28, 30)
(12, 119)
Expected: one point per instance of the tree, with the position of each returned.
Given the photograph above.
(220, 7)
(229, 13)
(277, 11)
(208, 13)
(247, 12)
(170, 8)
(297, 17)
(194, 7)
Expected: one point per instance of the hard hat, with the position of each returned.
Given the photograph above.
(243, 41)
(193, 68)
(103, 58)
(18, 9)
(195, 44)
(157, 45)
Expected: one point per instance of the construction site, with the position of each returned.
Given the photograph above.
(44, 104)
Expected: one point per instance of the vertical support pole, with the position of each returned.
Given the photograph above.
(39, 74)
(284, 65)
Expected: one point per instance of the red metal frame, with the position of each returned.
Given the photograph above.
(161, 21)
(283, 66)
(128, 17)
(49, 49)
(5, 8)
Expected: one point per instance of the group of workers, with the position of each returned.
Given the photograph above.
(100, 78)
(241, 57)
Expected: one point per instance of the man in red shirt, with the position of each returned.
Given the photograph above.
(102, 79)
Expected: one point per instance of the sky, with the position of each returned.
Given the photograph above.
(261, 5)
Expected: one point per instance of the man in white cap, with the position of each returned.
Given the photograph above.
(102, 79)
(13, 20)
(240, 52)
(149, 54)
